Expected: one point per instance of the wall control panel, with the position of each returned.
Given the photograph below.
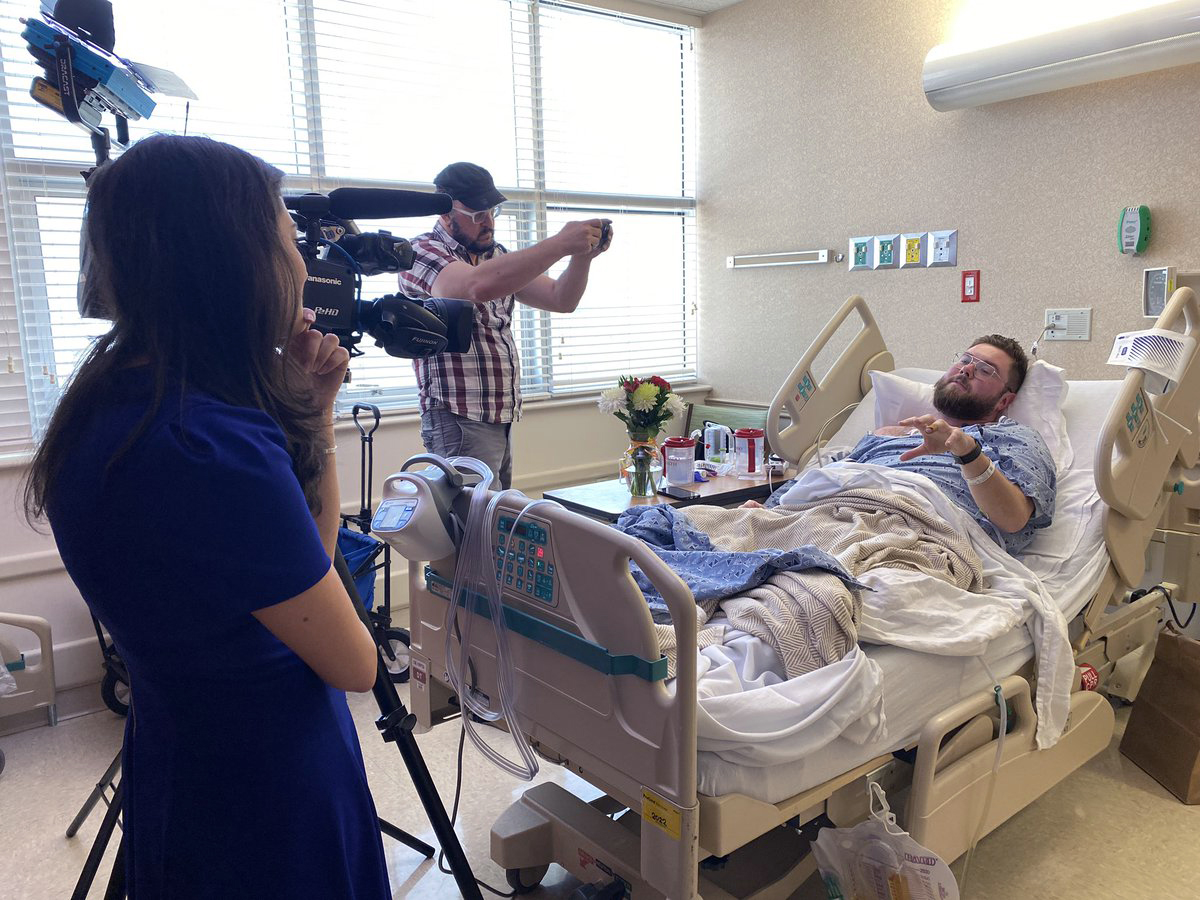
(1068, 325)
(910, 250)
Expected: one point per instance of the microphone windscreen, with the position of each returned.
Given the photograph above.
(381, 203)
(309, 205)
(93, 16)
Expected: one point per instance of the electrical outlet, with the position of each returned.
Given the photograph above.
(1068, 325)
(860, 252)
(970, 286)
(916, 250)
(943, 248)
(886, 251)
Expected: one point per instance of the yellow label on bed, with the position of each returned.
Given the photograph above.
(659, 812)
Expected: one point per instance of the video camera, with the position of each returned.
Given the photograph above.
(337, 255)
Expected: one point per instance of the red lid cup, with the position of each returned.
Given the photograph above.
(678, 441)
(748, 433)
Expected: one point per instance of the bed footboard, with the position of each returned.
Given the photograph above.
(591, 682)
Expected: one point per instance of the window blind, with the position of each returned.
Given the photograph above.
(576, 112)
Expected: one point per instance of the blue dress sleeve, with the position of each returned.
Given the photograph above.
(224, 505)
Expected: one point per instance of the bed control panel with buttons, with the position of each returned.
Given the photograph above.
(524, 559)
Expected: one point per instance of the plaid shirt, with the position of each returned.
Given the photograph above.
(484, 383)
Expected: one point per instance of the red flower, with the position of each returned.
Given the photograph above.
(661, 383)
(631, 385)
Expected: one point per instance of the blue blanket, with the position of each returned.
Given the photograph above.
(711, 574)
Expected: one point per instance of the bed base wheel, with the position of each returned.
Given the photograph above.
(525, 880)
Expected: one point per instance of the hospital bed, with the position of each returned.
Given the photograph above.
(680, 816)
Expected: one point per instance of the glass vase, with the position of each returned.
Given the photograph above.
(642, 464)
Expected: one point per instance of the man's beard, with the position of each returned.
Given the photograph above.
(476, 246)
(951, 400)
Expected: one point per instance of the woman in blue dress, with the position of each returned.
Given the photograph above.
(186, 474)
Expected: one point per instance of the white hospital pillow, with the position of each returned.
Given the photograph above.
(1038, 405)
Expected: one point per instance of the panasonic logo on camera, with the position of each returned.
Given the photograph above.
(321, 279)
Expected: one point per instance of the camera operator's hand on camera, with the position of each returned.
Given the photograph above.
(589, 238)
(322, 358)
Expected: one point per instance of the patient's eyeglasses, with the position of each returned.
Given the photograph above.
(982, 366)
(479, 216)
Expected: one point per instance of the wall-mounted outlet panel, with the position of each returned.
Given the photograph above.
(970, 286)
(915, 250)
(1068, 325)
(886, 251)
(861, 252)
(943, 248)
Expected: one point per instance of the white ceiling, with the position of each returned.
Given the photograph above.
(695, 7)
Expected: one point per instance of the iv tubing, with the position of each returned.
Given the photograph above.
(987, 802)
(474, 574)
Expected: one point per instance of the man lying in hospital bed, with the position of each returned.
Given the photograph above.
(996, 468)
(936, 553)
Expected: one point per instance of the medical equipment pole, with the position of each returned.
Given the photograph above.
(395, 724)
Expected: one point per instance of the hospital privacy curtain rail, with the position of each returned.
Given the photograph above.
(557, 639)
(305, 95)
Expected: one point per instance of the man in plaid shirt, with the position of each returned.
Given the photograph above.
(470, 400)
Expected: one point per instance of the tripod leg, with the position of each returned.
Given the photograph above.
(392, 724)
(427, 791)
(405, 838)
(95, 795)
(88, 873)
(116, 881)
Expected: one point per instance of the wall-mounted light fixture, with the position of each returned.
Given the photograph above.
(1156, 37)
(788, 258)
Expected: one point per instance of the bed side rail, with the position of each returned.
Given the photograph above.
(809, 404)
(1144, 444)
(631, 734)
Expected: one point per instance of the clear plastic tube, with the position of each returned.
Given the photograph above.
(987, 802)
(475, 574)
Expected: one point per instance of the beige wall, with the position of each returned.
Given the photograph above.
(556, 443)
(814, 128)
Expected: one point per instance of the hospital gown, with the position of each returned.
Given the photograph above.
(1018, 451)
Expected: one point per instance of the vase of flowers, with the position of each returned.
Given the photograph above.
(644, 405)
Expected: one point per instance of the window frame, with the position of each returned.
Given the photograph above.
(25, 181)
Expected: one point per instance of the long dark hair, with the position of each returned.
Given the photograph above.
(190, 266)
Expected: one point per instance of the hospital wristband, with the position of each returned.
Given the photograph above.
(983, 476)
(970, 456)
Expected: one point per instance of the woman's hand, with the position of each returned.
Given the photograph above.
(939, 437)
(321, 358)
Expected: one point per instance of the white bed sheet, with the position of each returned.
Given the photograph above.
(1070, 559)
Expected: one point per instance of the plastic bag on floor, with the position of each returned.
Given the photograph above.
(877, 860)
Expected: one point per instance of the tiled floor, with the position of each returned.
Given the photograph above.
(1108, 831)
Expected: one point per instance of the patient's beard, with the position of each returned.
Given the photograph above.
(951, 400)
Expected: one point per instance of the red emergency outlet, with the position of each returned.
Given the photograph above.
(970, 286)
